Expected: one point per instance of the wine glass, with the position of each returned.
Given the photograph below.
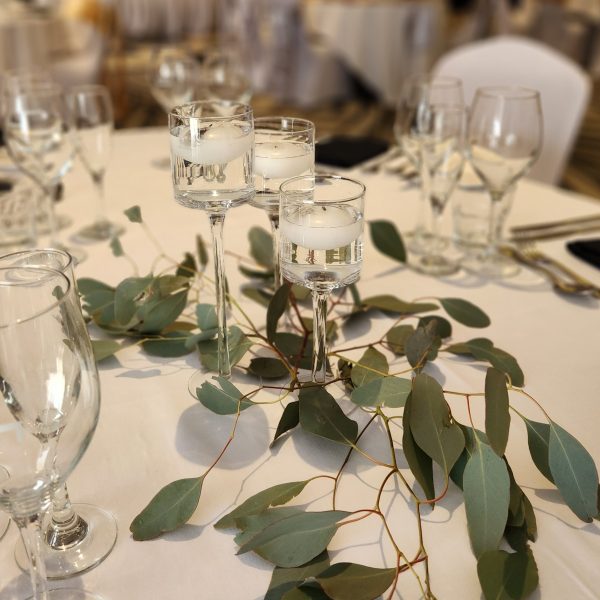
(441, 130)
(284, 147)
(92, 113)
(173, 78)
(212, 161)
(38, 131)
(504, 140)
(50, 404)
(222, 76)
(321, 226)
(417, 94)
(77, 537)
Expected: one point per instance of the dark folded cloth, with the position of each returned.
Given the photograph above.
(588, 250)
(346, 151)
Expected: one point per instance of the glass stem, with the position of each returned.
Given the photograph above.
(277, 277)
(319, 369)
(216, 226)
(98, 179)
(493, 228)
(436, 214)
(66, 527)
(49, 200)
(29, 528)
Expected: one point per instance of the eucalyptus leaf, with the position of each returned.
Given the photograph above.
(321, 415)
(284, 580)
(87, 285)
(268, 368)
(238, 346)
(397, 337)
(497, 417)
(222, 400)
(273, 496)
(165, 285)
(538, 439)
(126, 294)
(261, 246)
(465, 312)
(206, 317)
(387, 240)
(308, 591)
(392, 304)
(104, 349)
(171, 345)
(116, 247)
(254, 273)
(276, 309)
(294, 348)
(430, 423)
(574, 473)
(187, 267)
(443, 327)
(289, 419)
(294, 541)
(422, 346)
(372, 365)
(500, 359)
(469, 433)
(251, 525)
(505, 576)
(157, 314)
(170, 508)
(385, 391)
(201, 251)
(192, 341)
(486, 487)
(134, 214)
(258, 295)
(351, 581)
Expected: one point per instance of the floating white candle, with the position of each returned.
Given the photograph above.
(219, 145)
(322, 227)
(282, 160)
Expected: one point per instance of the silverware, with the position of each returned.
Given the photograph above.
(558, 232)
(587, 220)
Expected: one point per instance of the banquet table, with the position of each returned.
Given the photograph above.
(152, 431)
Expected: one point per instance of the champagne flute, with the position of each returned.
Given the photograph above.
(212, 161)
(50, 401)
(321, 219)
(417, 94)
(284, 148)
(77, 537)
(441, 130)
(504, 140)
(92, 113)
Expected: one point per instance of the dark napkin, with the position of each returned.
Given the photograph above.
(346, 151)
(588, 250)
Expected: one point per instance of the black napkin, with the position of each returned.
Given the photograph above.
(346, 151)
(588, 250)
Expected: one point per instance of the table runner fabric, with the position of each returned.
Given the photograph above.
(152, 431)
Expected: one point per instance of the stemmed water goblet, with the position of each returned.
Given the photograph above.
(76, 537)
(504, 140)
(441, 129)
(418, 93)
(212, 149)
(284, 148)
(223, 76)
(49, 401)
(321, 226)
(92, 112)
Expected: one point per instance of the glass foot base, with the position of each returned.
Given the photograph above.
(69, 594)
(436, 266)
(82, 556)
(422, 242)
(42, 224)
(99, 231)
(494, 266)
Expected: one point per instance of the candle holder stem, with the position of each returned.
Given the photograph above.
(277, 277)
(319, 369)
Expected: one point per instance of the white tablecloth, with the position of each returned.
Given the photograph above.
(152, 431)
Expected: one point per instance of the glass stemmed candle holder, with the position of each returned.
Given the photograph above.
(50, 404)
(504, 140)
(418, 93)
(212, 149)
(75, 537)
(321, 227)
(284, 148)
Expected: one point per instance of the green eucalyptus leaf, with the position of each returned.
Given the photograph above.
(321, 415)
(284, 580)
(170, 508)
(276, 309)
(505, 576)
(104, 349)
(268, 368)
(157, 314)
(387, 240)
(469, 433)
(192, 341)
(419, 463)
(251, 525)
(289, 419)
(308, 591)
(257, 294)
(385, 391)
(392, 304)
(497, 417)
(254, 273)
(134, 214)
(292, 346)
(171, 345)
(422, 346)
(222, 400)
(538, 439)
(261, 246)
(574, 473)
(116, 247)
(201, 251)
(486, 487)
(294, 541)
(187, 267)
(430, 423)
(372, 365)
(238, 345)
(397, 337)
(273, 496)
(165, 285)
(126, 294)
(499, 359)
(206, 316)
(331, 329)
(465, 312)
(351, 581)
(443, 327)
(87, 285)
